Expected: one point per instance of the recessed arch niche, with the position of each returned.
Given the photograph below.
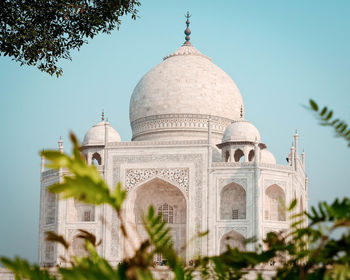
(233, 202)
(78, 247)
(167, 200)
(233, 239)
(274, 203)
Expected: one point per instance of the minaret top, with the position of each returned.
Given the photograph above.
(60, 145)
(187, 31)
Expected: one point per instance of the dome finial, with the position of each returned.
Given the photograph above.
(103, 115)
(187, 31)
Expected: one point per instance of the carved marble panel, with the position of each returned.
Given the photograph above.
(177, 176)
(115, 244)
(196, 159)
(240, 181)
(269, 182)
(224, 230)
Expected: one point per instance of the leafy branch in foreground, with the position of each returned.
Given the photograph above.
(39, 33)
(325, 116)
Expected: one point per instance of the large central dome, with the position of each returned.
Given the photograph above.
(183, 91)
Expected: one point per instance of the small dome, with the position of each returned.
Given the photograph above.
(241, 131)
(267, 157)
(96, 135)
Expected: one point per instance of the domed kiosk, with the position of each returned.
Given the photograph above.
(241, 130)
(96, 139)
(97, 134)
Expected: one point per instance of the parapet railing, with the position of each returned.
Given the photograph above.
(160, 142)
(49, 173)
(251, 164)
(232, 164)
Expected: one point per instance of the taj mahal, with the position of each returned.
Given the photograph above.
(193, 156)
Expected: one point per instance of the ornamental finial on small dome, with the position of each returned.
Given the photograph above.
(241, 112)
(103, 115)
(187, 31)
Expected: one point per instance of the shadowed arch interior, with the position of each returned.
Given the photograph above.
(78, 247)
(168, 201)
(233, 239)
(96, 159)
(239, 155)
(274, 203)
(232, 202)
(251, 155)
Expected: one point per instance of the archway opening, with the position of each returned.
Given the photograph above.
(275, 203)
(168, 201)
(232, 202)
(232, 239)
(78, 247)
(239, 155)
(251, 155)
(96, 159)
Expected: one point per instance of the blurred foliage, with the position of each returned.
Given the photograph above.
(326, 118)
(307, 250)
(40, 32)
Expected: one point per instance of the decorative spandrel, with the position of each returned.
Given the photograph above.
(177, 176)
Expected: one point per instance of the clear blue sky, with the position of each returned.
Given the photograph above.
(279, 53)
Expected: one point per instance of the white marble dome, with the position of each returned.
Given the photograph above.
(267, 157)
(241, 130)
(96, 135)
(189, 83)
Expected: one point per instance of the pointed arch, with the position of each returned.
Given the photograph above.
(274, 203)
(166, 198)
(251, 155)
(78, 246)
(96, 159)
(239, 155)
(232, 239)
(233, 202)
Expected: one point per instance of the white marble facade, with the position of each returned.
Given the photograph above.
(193, 156)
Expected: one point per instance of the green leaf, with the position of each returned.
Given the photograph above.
(313, 105)
(292, 205)
(119, 196)
(324, 110)
(329, 116)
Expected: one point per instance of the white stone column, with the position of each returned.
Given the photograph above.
(42, 164)
(246, 150)
(232, 154)
(257, 199)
